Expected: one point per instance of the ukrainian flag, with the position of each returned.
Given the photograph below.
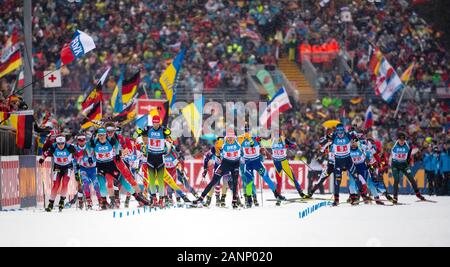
(116, 98)
(168, 78)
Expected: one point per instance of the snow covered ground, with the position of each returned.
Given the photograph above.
(415, 224)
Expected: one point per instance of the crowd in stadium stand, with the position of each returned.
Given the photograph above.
(225, 38)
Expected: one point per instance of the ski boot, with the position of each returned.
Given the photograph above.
(208, 201)
(197, 201)
(186, 199)
(88, 203)
(103, 204)
(378, 201)
(239, 202)
(366, 199)
(61, 203)
(248, 201)
(50, 206)
(127, 202)
(222, 200)
(235, 204)
(112, 202)
(349, 199)
(162, 202)
(141, 199)
(153, 201)
(178, 199)
(308, 195)
(354, 199)
(419, 196)
(336, 201)
(117, 199)
(255, 201)
(278, 197)
(218, 201)
(395, 200)
(80, 203)
(387, 196)
(302, 195)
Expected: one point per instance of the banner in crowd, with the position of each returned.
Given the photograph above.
(387, 81)
(78, 47)
(266, 80)
(279, 103)
(22, 122)
(168, 78)
(318, 53)
(11, 64)
(92, 104)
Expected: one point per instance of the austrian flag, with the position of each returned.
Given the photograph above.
(80, 45)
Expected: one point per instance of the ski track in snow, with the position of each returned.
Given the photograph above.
(416, 224)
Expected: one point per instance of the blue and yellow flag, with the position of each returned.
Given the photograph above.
(116, 98)
(193, 113)
(169, 76)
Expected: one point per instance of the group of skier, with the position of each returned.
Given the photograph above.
(148, 167)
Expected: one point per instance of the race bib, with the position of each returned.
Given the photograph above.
(232, 155)
(400, 156)
(281, 153)
(341, 149)
(104, 156)
(251, 152)
(156, 144)
(61, 161)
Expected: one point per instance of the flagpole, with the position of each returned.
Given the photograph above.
(28, 78)
(54, 101)
(400, 100)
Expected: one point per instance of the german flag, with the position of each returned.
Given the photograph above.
(22, 122)
(127, 115)
(130, 87)
(96, 94)
(3, 117)
(11, 64)
(94, 114)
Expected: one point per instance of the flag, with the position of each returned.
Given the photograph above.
(127, 115)
(193, 117)
(169, 76)
(93, 116)
(407, 73)
(92, 104)
(279, 103)
(130, 88)
(78, 47)
(22, 122)
(375, 57)
(10, 46)
(17, 89)
(368, 119)
(52, 79)
(116, 98)
(12, 63)
(95, 95)
(387, 81)
(266, 80)
(3, 117)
